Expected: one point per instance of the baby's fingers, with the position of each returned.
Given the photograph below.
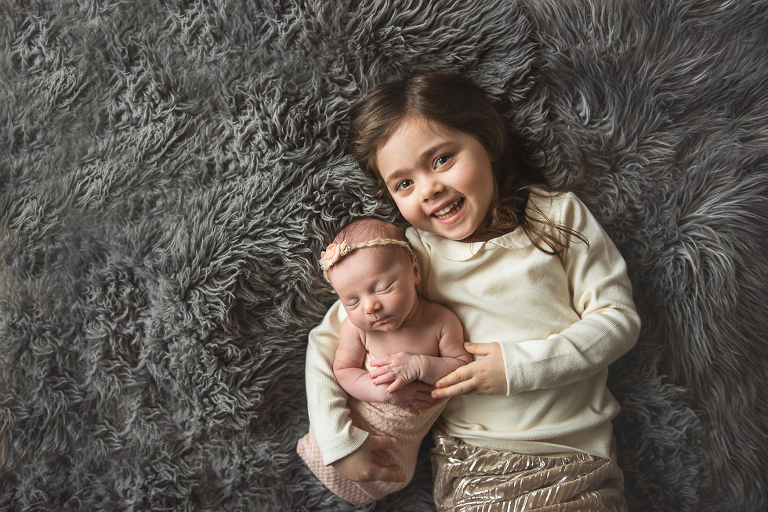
(378, 372)
(383, 379)
(394, 386)
(381, 361)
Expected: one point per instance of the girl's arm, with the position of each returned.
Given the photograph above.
(402, 368)
(327, 402)
(601, 294)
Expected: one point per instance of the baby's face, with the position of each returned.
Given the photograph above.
(377, 287)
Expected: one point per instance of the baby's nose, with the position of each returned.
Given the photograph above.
(372, 306)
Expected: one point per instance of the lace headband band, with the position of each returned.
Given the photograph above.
(335, 252)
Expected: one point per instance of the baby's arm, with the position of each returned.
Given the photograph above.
(402, 368)
(347, 447)
(348, 368)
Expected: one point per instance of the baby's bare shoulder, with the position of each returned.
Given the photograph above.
(439, 314)
(348, 331)
(448, 329)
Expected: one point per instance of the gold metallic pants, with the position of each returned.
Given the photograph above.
(473, 479)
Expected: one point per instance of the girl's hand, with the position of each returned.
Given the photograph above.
(412, 397)
(400, 369)
(360, 467)
(484, 376)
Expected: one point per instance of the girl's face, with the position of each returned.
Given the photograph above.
(441, 179)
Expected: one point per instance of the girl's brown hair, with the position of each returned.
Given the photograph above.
(455, 101)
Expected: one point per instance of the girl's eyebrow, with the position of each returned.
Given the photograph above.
(397, 176)
(435, 148)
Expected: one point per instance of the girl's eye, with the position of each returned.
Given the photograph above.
(442, 160)
(403, 184)
(385, 288)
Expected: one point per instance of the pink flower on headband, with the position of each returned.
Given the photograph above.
(331, 255)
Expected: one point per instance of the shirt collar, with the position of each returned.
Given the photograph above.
(465, 251)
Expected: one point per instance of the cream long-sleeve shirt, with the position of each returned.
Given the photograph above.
(560, 321)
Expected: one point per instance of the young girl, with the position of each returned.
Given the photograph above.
(390, 338)
(542, 293)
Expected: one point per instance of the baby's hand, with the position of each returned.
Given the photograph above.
(484, 376)
(412, 397)
(400, 368)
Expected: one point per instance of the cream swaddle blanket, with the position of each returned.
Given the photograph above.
(378, 419)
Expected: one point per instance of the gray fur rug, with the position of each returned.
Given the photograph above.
(170, 171)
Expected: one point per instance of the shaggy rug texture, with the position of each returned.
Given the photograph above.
(171, 170)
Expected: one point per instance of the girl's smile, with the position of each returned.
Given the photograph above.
(448, 213)
(441, 179)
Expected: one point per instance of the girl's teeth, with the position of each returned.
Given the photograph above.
(445, 211)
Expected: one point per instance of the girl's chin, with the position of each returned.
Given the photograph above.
(457, 228)
(457, 232)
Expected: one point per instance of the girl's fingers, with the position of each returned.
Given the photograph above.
(454, 377)
(458, 382)
(386, 473)
(462, 388)
(422, 403)
(382, 442)
(390, 474)
(395, 386)
(481, 349)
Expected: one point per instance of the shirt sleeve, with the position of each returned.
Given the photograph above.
(422, 257)
(602, 297)
(327, 402)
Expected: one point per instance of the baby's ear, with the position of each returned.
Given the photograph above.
(415, 266)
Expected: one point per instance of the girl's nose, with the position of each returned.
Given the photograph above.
(430, 189)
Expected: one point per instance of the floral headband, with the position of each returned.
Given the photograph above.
(335, 252)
